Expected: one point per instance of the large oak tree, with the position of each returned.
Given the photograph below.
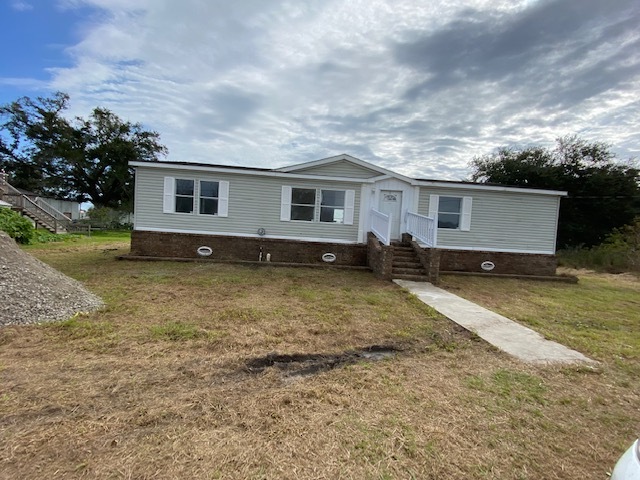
(79, 159)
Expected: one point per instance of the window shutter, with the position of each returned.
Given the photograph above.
(169, 198)
(465, 218)
(285, 204)
(223, 198)
(434, 202)
(349, 206)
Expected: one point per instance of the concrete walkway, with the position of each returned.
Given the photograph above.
(505, 334)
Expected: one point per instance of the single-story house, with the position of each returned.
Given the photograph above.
(343, 211)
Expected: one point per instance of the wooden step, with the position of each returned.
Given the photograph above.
(39, 220)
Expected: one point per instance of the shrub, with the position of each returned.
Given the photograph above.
(16, 226)
(625, 241)
(620, 252)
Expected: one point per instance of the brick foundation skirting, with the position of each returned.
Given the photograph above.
(373, 255)
(247, 249)
(504, 262)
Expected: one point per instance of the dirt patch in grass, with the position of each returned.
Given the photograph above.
(303, 364)
(155, 385)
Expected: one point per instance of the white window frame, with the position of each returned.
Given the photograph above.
(202, 197)
(334, 207)
(169, 196)
(193, 196)
(464, 224)
(286, 204)
(306, 205)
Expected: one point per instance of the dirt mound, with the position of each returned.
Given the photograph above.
(33, 292)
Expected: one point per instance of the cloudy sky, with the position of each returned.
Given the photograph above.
(417, 86)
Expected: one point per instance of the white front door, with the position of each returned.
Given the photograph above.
(391, 203)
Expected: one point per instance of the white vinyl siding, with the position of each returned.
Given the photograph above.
(252, 202)
(509, 221)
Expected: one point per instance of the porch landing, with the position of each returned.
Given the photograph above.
(503, 333)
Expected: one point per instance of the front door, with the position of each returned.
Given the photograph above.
(391, 203)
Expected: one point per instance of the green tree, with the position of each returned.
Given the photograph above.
(79, 159)
(603, 194)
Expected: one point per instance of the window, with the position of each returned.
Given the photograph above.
(317, 205)
(449, 211)
(208, 197)
(453, 213)
(332, 206)
(184, 195)
(204, 197)
(303, 204)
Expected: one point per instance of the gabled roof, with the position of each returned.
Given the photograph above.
(337, 158)
(343, 157)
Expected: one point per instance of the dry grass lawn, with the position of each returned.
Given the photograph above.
(156, 385)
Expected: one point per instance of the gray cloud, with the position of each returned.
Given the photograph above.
(539, 48)
(417, 87)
